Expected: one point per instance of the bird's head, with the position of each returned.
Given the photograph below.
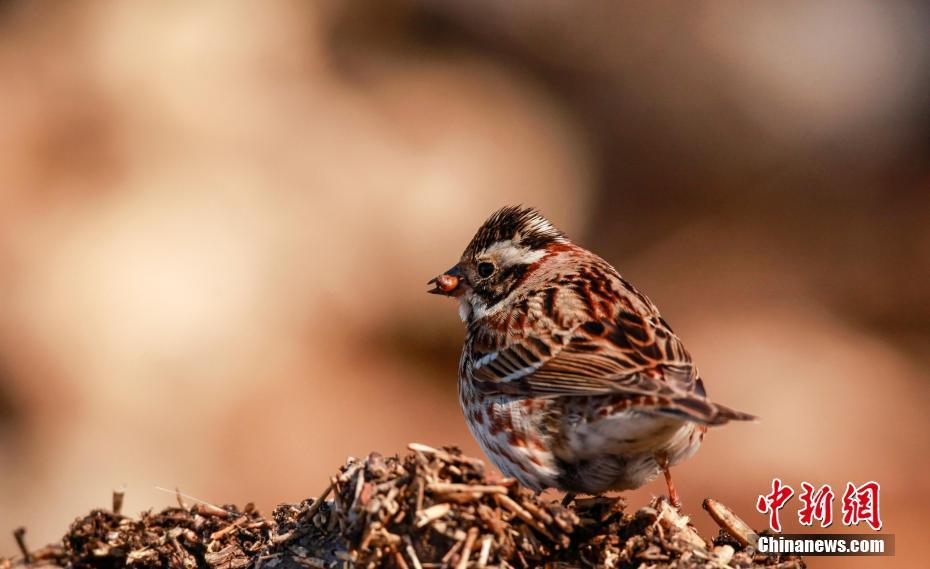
(497, 261)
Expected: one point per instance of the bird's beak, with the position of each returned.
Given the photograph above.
(449, 283)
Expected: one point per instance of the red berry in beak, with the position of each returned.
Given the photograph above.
(448, 283)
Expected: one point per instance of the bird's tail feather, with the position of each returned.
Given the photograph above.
(700, 410)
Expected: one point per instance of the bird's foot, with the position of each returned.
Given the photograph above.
(673, 497)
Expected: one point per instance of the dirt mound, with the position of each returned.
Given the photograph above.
(431, 508)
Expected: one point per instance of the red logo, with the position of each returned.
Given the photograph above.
(859, 503)
(817, 505)
(773, 502)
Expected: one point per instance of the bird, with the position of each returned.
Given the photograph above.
(569, 377)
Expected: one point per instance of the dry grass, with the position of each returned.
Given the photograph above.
(430, 508)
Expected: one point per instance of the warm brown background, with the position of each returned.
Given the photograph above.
(217, 221)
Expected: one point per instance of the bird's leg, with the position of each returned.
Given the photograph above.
(568, 499)
(673, 498)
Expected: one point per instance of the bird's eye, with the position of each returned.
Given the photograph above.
(485, 270)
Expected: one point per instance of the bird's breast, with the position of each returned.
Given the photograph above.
(512, 434)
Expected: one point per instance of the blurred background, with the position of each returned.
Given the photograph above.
(217, 221)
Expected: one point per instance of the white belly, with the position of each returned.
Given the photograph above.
(628, 433)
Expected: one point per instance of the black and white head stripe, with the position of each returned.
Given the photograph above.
(524, 226)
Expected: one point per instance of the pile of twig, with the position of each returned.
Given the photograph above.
(431, 508)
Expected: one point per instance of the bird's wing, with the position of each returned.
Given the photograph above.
(636, 356)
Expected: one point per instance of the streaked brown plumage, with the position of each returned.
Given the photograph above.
(569, 376)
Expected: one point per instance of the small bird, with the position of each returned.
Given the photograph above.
(569, 376)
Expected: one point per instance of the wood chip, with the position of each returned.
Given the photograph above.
(731, 523)
(118, 496)
(466, 549)
(486, 542)
(446, 488)
(433, 513)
